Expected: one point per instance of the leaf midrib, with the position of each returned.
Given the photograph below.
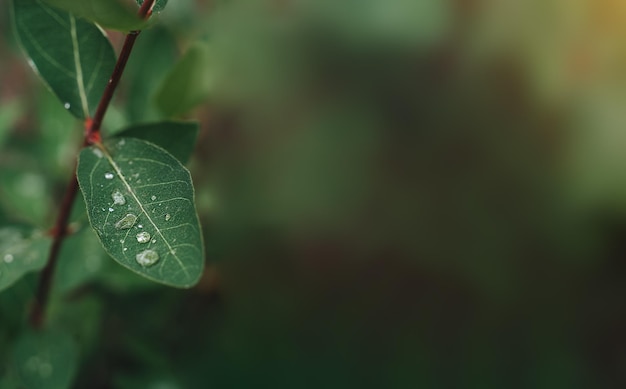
(79, 67)
(130, 190)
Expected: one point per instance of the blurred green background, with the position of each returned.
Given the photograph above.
(394, 194)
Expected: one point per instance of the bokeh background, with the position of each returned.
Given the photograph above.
(394, 194)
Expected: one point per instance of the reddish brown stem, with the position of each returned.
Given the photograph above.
(92, 135)
(59, 232)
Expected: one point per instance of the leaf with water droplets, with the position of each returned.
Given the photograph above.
(159, 200)
(21, 252)
(71, 55)
(45, 359)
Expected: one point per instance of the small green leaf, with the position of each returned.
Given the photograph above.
(45, 360)
(188, 84)
(158, 5)
(71, 55)
(178, 138)
(153, 57)
(140, 201)
(80, 259)
(21, 252)
(113, 14)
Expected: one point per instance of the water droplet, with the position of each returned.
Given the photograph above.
(153, 241)
(97, 152)
(143, 237)
(118, 197)
(152, 198)
(126, 222)
(8, 258)
(140, 226)
(125, 248)
(111, 209)
(108, 176)
(167, 217)
(67, 105)
(122, 142)
(147, 257)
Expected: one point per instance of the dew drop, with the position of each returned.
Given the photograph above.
(8, 258)
(147, 257)
(67, 105)
(153, 241)
(111, 209)
(167, 217)
(108, 176)
(125, 248)
(118, 197)
(97, 152)
(140, 226)
(126, 222)
(152, 198)
(143, 237)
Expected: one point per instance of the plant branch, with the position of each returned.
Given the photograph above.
(92, 135)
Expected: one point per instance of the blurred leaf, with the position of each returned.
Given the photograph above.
(113, 14)
(80, 259)
(153, 57)
(20, 253)
(71, 55)
(46, 360)
(188, 84)
(158, 4)
(25, 195)
(10, 112)
(140, 201)
(178, 138)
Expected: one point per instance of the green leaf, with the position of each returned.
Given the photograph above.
(133, 189)
(178, 138)
(71, 55)
(21, 252)
(153, 57)
(188, 84)
(80, 259)
(113, 14)
(158, 5)
(46, 360)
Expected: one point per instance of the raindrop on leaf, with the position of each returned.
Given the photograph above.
(126, 222)
(143, 237)
(118, 198)
(147, 258)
